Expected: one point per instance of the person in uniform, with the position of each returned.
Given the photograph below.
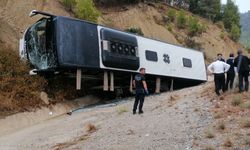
(140, 89)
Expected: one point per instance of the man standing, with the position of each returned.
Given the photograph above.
(141, 89)
(219, 57)
(218, 68)
(231, 72)
(242, 64)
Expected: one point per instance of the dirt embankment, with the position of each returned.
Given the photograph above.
(14, 17)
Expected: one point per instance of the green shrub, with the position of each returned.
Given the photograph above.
(236, 101)
(194, 27)
(222, 35)
(69, 4)
(172, 14)
(169, 27)
(135, 30)
(181, 20)
(85, 9)
(235, 32)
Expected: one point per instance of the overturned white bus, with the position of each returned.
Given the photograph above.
(63, 44)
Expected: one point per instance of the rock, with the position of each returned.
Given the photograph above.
(44, 97)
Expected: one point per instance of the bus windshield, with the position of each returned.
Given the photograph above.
(39, 45)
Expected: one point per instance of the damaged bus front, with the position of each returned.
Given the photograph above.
(37, 45)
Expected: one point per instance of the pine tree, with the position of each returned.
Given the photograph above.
(231, 15)
(209, 9)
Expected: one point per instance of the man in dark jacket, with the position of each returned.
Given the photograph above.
(242, 64)
(231, 72)
(140, 89)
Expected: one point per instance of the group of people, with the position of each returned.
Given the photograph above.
(232, 67)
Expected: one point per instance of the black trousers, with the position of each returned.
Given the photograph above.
(243, 76)
(219, 80)
(139, 98)
(230, 80)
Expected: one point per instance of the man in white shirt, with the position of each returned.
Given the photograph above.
(218, 68)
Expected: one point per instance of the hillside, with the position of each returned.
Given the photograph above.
(245, 28)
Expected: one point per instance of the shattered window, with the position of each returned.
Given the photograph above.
(40, 52)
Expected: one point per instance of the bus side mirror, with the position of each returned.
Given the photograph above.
(33, 13)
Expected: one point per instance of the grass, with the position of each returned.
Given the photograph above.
(209, 148)
(218, 115)
(247, 140)
(209, 134)
(245, 122)
(221, 126)
(122, 109)
(90, 128)
(245, 105)
(228, 143)
(236, 101)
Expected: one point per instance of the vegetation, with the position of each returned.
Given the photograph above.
(208, 9)
(209, 134)
(236, 101)
(90, 128)
(122, 109)
(181, 20)
(83, 9)
(228, 143)
(69, 4)
(19, 91)
(194, 27)
(221, 126)
(245, 122)
(135, 30)
(171, 14)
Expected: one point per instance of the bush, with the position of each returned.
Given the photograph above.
(172, 14)
(236, 101)
(85, 9)
(194, 27)
(222, 35)
(19, 90)
(69, 4)
(235, 32)
(135, 30)
(181, 20)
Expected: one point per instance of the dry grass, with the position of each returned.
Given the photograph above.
(209, 134)
(218, 115)
(209, 148)
(90, 128)
(245, 122)
(19, 91)
(245, 105)
(247, 140)
(228, 143)
(236, 101)
(221, 126)
(122, 109)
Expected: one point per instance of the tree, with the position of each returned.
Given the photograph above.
(230, 15)
(235, 32)
(210, 9)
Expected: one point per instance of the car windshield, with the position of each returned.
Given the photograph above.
(39, 45)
